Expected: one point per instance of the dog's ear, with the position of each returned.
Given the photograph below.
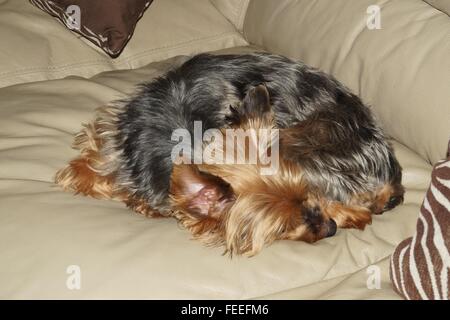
(199, 193)
(255, 110)
(256, 103)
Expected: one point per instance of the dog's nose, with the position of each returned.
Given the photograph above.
(332, 228)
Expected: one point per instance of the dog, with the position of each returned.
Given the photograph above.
(336, 166)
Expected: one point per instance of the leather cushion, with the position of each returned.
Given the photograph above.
(443, 5)
(233, 10)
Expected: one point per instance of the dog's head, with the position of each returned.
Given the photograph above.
(235, 204)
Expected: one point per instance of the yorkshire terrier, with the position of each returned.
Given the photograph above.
(335, 167)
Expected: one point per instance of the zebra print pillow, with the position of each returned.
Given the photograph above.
(420, 265)
(109, 24)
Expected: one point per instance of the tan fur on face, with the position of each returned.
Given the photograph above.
(208, 230)
(265, 209)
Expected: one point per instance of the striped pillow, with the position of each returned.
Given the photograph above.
(109, 24)
(420, 265)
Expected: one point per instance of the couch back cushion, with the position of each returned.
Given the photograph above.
(443, 5)
(233, 10)
(401, 68)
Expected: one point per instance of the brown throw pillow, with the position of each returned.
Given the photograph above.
(109, 24)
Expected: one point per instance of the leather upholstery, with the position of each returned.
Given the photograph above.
(442, 5)
(400, 70)
(233, 10)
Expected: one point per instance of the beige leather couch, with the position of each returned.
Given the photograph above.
(51, 81)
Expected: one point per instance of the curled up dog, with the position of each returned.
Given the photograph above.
(312, 157)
